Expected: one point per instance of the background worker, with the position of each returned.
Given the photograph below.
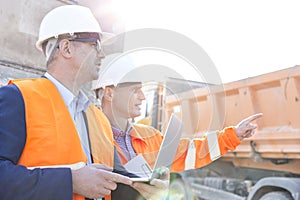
(44, 143)
(121, 99)
(156, 189)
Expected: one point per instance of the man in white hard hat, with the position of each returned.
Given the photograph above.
(157, 188)
(45, 123)
(119, 89)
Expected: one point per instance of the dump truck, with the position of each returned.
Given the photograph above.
(263, 167)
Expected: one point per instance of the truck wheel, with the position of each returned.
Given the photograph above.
(179, 191)
(282, 195)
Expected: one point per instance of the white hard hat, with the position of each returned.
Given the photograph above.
(113, 72)
(125, 69)
(68, 19)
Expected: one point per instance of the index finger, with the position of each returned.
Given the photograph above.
(164, 173)
(252, 118)
(118, 178)
(160, 183)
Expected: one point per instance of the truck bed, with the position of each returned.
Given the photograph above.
(276, 144)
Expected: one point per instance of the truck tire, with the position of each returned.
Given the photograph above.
(280, 195)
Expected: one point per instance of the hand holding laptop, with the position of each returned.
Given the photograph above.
(158, 187)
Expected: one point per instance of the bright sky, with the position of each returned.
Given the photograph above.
(243, 38)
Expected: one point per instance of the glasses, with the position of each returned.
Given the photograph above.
(95, 42)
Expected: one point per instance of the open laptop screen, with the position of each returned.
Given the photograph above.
(165, 156)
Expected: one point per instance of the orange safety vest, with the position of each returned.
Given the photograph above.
(102, 145)
(56, 130)
(146, 140)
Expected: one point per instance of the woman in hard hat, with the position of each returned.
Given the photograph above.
(44, 146)
(119, 89)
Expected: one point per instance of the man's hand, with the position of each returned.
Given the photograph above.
(245, 129)
(158, 187)
(96, 181)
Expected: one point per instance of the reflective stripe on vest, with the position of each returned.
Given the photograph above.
(191, 156)
(213, 145)
(74, 166)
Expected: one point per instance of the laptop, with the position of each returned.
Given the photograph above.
(165, 157)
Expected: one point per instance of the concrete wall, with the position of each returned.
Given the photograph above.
(19, 23)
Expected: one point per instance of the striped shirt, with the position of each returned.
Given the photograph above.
(124, 141)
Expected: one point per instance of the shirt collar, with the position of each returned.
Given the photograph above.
(142, 132)
(82, 101)
(118, 132)
(67, 95)
(133, 130)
